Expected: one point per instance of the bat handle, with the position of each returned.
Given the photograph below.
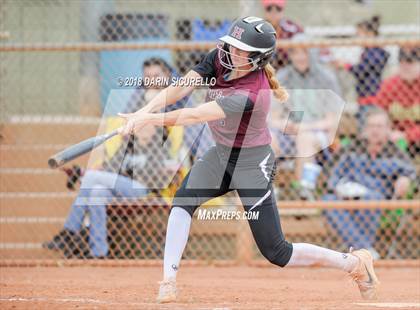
(114, 133)
(119, 131)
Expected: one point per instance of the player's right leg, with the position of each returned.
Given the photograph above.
(205, 181)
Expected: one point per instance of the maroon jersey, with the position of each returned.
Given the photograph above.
(245, 101)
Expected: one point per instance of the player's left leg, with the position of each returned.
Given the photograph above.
(268, 235)
(253, 184)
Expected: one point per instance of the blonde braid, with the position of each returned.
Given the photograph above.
(279, 92)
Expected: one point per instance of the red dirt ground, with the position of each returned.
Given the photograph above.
(220, 288)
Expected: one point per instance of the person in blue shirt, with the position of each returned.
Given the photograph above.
(372, 168)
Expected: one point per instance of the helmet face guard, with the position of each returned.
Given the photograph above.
(225, 58)
(251, 34)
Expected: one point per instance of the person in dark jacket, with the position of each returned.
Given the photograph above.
(368, 72)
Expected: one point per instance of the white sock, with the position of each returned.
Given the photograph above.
(176, 238)
(305, 254)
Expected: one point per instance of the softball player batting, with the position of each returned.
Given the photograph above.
(242, 160)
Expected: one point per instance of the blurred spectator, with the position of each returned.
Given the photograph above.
(138, 166)
(312, 110)
(400, 96)
(285, 28)
(368, 72)
(197, 29)
(370, 169)
(154, 67)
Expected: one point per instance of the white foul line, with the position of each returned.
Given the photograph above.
(390, 304)
(125, 304)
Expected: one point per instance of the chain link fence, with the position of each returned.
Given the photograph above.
(347, 178)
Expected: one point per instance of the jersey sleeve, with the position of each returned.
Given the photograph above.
(206, 67)
(235, 104)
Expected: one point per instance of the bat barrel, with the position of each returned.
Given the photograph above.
(77, 150)
(54, 163)
(60, 159)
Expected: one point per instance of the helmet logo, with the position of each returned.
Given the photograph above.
(237, 32)
(252, 19)
(259, 28)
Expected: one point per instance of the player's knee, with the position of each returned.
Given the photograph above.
(186, 200)
(278, 253)
(180, 201)
(189, 209)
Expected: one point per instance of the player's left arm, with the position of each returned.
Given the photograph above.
(220, 108)
(206, 112)
(209, 111)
